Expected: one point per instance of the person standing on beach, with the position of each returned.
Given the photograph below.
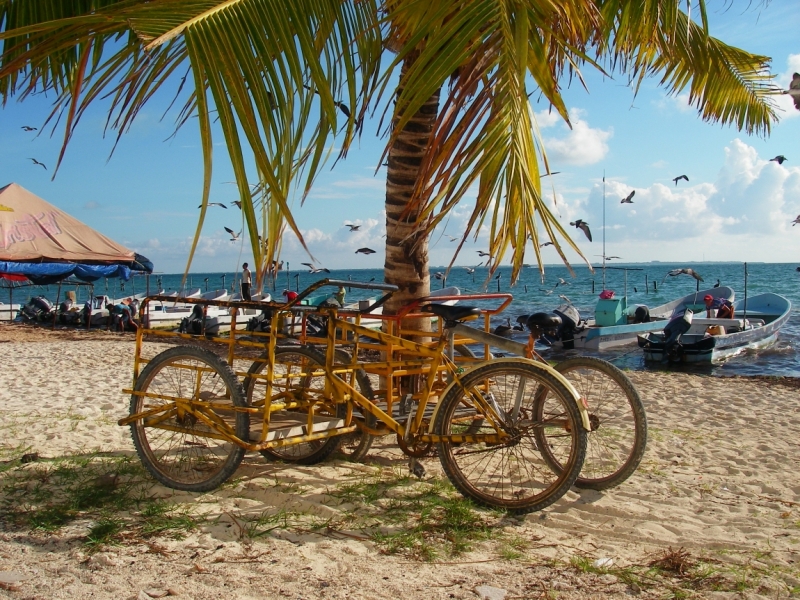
(246, 281)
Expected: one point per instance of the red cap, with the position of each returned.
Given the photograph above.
(290, 295)
(708, 298)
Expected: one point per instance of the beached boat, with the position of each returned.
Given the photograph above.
(9, 312)
(690, 339)
(617, 323)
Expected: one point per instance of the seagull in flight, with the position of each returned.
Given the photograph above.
(36, 162)
(451, 238)
(28, 128)
(471, 270)
(482, 253)
(352, 227)
(676, 272)
(561, 281)
(565, 299)
(546, 292)
(678, 178)
(438, 275)
(778, 159)
(238, 204)
(796, 221)
(583, 226)
(313, 269)
(545, 244)
(794, 90)
(365, 251)
(214, 204)
(234, 235)
(628, 199)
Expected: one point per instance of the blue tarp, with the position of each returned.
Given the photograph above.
(47, 273)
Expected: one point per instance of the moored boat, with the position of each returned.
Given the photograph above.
(617, 323)
(756, 323)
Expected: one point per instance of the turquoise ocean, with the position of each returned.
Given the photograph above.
(647, 283)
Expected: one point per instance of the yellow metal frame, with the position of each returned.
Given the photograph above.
(400, 357)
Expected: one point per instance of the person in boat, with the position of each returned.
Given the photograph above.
(339, 295)
(723, 308)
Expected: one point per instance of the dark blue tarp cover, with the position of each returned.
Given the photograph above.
(47, 273)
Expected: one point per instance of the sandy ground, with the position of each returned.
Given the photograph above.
(718, 487)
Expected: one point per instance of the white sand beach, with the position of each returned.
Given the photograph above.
(718, 487)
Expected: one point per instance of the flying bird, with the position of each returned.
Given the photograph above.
(561, 281)
(676, 272)
(469, 270)
(565, 299)
(678, 178)
(583, 226)
(365, 251)
(778, 159)
(214, 204)
(482, 253)
(794, 90)
(36, 162)
(313, 269)
(545, 244)
(28, 128)
(234, 235)
(550, 173)
(796, 221)
(628, 199)
(452, 239)
(546, 292)
(438, 275)
(352, 227)
(610, 257)
(238, 204)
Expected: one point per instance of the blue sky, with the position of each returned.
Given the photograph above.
(737, 204)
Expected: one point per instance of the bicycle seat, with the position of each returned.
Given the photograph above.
(542, 320)
(452, 313)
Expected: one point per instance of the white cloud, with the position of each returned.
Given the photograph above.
(91, 205)
(751, 198)
(582, 145)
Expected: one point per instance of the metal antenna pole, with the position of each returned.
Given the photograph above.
(604, 229)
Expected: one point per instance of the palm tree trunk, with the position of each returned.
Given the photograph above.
(406, 263)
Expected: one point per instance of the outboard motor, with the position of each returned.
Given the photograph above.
(193, 323)
(37, 309)
(641, 314)
(261, 322)
(673, 331)
(570, 317)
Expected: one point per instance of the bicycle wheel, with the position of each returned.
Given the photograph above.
(291, 362)
(174, 444)
(355, 446)
(617, 440)
(511, 474)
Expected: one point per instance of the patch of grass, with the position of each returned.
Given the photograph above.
(49, 494)
(104, 532)
(164, 518)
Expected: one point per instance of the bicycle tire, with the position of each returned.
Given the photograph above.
(512, 475)
(188, 459)
(618, 438)
(316, 451)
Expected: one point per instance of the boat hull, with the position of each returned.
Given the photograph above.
(699, 348)
(594, 337)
